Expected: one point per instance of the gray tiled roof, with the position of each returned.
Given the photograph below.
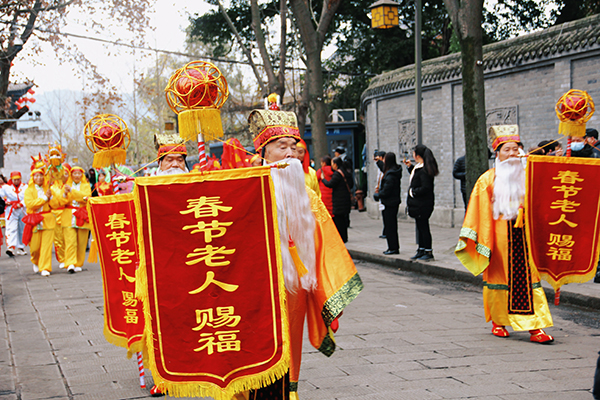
(571, 37)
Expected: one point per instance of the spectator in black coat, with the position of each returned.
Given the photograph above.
(420, 200)
(389, 194)
(460, 172)
(341, 185)
(591, 138)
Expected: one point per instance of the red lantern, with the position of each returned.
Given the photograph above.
(573, 110)
(573, 107)
(197, 88)
(196, 92)
(108, 136)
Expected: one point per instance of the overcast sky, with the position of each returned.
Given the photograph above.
(169, 21)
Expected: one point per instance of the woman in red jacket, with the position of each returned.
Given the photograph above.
(325, 191)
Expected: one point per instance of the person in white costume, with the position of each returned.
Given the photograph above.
(14, 193)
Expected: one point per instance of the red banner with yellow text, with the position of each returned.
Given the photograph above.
(562, 208)
(114, 227)
(211, 281)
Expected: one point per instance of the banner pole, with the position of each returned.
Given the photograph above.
(201, 152)
(557, 297)
(140, 361)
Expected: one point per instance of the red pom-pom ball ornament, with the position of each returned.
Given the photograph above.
(107, 136)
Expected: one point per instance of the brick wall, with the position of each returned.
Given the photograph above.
(531, 90)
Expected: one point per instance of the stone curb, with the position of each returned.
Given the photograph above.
(566, 297)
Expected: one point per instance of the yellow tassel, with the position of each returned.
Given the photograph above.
(297, 261)
(294, 396)
(571, 129)
(105, 158)
(206, 121)
(519, 221)
(93, 256)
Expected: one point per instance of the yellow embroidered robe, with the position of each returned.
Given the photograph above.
(483, 248)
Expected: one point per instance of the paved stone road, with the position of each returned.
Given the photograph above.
(407, 336)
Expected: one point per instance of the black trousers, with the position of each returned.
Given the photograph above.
(424, 233)
(390, 226)
(596, 390)
(278, 390)
(341, 222)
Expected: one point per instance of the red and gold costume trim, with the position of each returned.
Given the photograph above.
(268, 125)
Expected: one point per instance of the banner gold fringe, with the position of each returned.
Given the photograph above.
(136, 347)
(105, 158)
(568, 279)
(182, 389)
(205, 121)
(111, 338)
(141, 279)
(571, 129)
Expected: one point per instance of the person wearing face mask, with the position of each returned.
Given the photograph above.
(579, 148)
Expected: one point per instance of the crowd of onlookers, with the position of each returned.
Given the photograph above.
(420, 198)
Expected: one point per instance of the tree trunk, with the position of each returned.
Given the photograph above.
(312, 40)
(466, 18)
(317, 104)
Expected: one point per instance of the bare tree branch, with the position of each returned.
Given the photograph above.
(244, 49)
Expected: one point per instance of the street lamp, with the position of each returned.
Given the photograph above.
(384, 15)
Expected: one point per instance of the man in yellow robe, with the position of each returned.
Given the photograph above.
(327, 281)
(492, 242)
(74, 219)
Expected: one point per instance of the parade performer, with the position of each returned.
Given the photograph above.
(171, 154)
(171, 160)
(14, 193)
(39, 221)
(59, 238)
(492, 241)
(328, 280)
(74, 219)
(103, 187)
(310, 176)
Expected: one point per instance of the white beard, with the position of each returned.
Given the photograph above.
(171, 171)
(509, 189)
(295, 219)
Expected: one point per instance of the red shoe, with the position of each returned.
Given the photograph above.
(499, 330)
(539, 336)
(155, 392)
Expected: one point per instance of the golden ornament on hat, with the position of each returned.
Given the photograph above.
(574, 109)
(196, 92)
(54, 159)
(107, 136)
